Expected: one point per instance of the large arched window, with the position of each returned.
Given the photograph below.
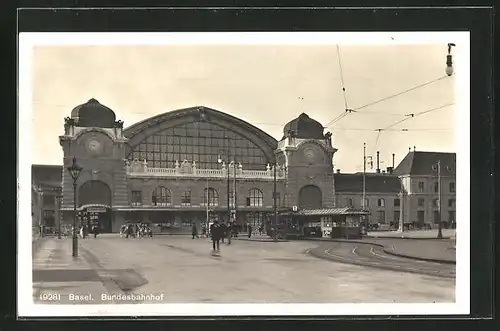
(210, 197)
(94, 192)
(162, 197)
(310, 196)
(255, 198)
(198, 141)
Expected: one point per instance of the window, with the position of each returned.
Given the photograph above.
(231, 197)
(348, 202)
(277, 195)
(397, 215)
(136, 198)
(285, 199)
(451, 203)
(421, 187)
(435, 203)
(421, 202)
(436, 216)
(210, 197)
(200, 142)
(381, 216)
(452, 187)
(436, 187)
(381, 203)
(256, 198)
(367, 202)
(186, 198)
(397, 202)
(162, 197)
(451, 216)
(420, 216)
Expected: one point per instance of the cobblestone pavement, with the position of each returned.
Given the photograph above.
(178, 269)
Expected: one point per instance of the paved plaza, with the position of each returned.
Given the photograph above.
(177, 269)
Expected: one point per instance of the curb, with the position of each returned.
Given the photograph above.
(395, 237)
(380, 267)
(387, 251)
(264, 240)
(419, 258)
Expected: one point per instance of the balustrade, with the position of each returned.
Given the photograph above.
(139, 168)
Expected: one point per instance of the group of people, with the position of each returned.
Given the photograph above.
(134, 230)
(86, 230)
(220, 232)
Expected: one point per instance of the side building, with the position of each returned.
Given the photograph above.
(429, 181)
(381, 194)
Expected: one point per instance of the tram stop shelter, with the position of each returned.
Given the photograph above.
(344, 222)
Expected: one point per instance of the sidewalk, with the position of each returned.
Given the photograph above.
(58, 278)
(440, 251)
(413, 234)
(260, 238)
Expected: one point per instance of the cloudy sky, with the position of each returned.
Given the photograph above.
(266, 85)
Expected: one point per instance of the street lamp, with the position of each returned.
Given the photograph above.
(40, 211)
(75, 171)
(58, 211)
(449, 61)
(437, 167)
(219, 160)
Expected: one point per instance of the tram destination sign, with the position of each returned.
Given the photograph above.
(96, 210)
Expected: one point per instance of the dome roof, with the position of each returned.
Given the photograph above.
(93, 114)
(304, 127)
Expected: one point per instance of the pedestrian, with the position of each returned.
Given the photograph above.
(95, 230)
(249, 231)
(228, 232)
(215, 232)
(223, 231)
(194, 231)
(203, 231)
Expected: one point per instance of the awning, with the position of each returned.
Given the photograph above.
(94, 205)
(344, 211)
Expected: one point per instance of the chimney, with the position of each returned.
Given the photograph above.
(390, 170)
(338, 171)
(409, 149)
(383, 171)
(414, 148)
(378, 163)
(393, 160)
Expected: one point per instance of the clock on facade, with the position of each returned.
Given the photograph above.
(94, 146)
(310, 154)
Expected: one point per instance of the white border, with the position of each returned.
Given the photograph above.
(27, 41)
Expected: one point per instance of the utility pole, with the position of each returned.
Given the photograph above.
(440, 232)
(364, 183)
(207, 204)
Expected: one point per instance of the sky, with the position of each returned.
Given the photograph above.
(265, 85)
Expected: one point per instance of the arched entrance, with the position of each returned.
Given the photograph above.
(94, 201)
(310, 196)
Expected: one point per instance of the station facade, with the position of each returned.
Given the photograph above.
(178, 166)
(191, 164)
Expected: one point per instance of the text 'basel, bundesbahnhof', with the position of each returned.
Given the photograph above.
(187, 165)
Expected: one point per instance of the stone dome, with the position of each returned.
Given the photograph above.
(304, 127)
(93, 114)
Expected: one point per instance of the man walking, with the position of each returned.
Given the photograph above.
(215, 231)
(194, 231)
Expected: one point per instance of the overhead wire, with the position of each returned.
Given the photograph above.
(356, 110)
(344, 93)
(409, 116)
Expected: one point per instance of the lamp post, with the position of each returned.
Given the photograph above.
(449, 61)
(437, 167)
(75, 171)
(228, 179)
(58, 199)
(40, 210)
